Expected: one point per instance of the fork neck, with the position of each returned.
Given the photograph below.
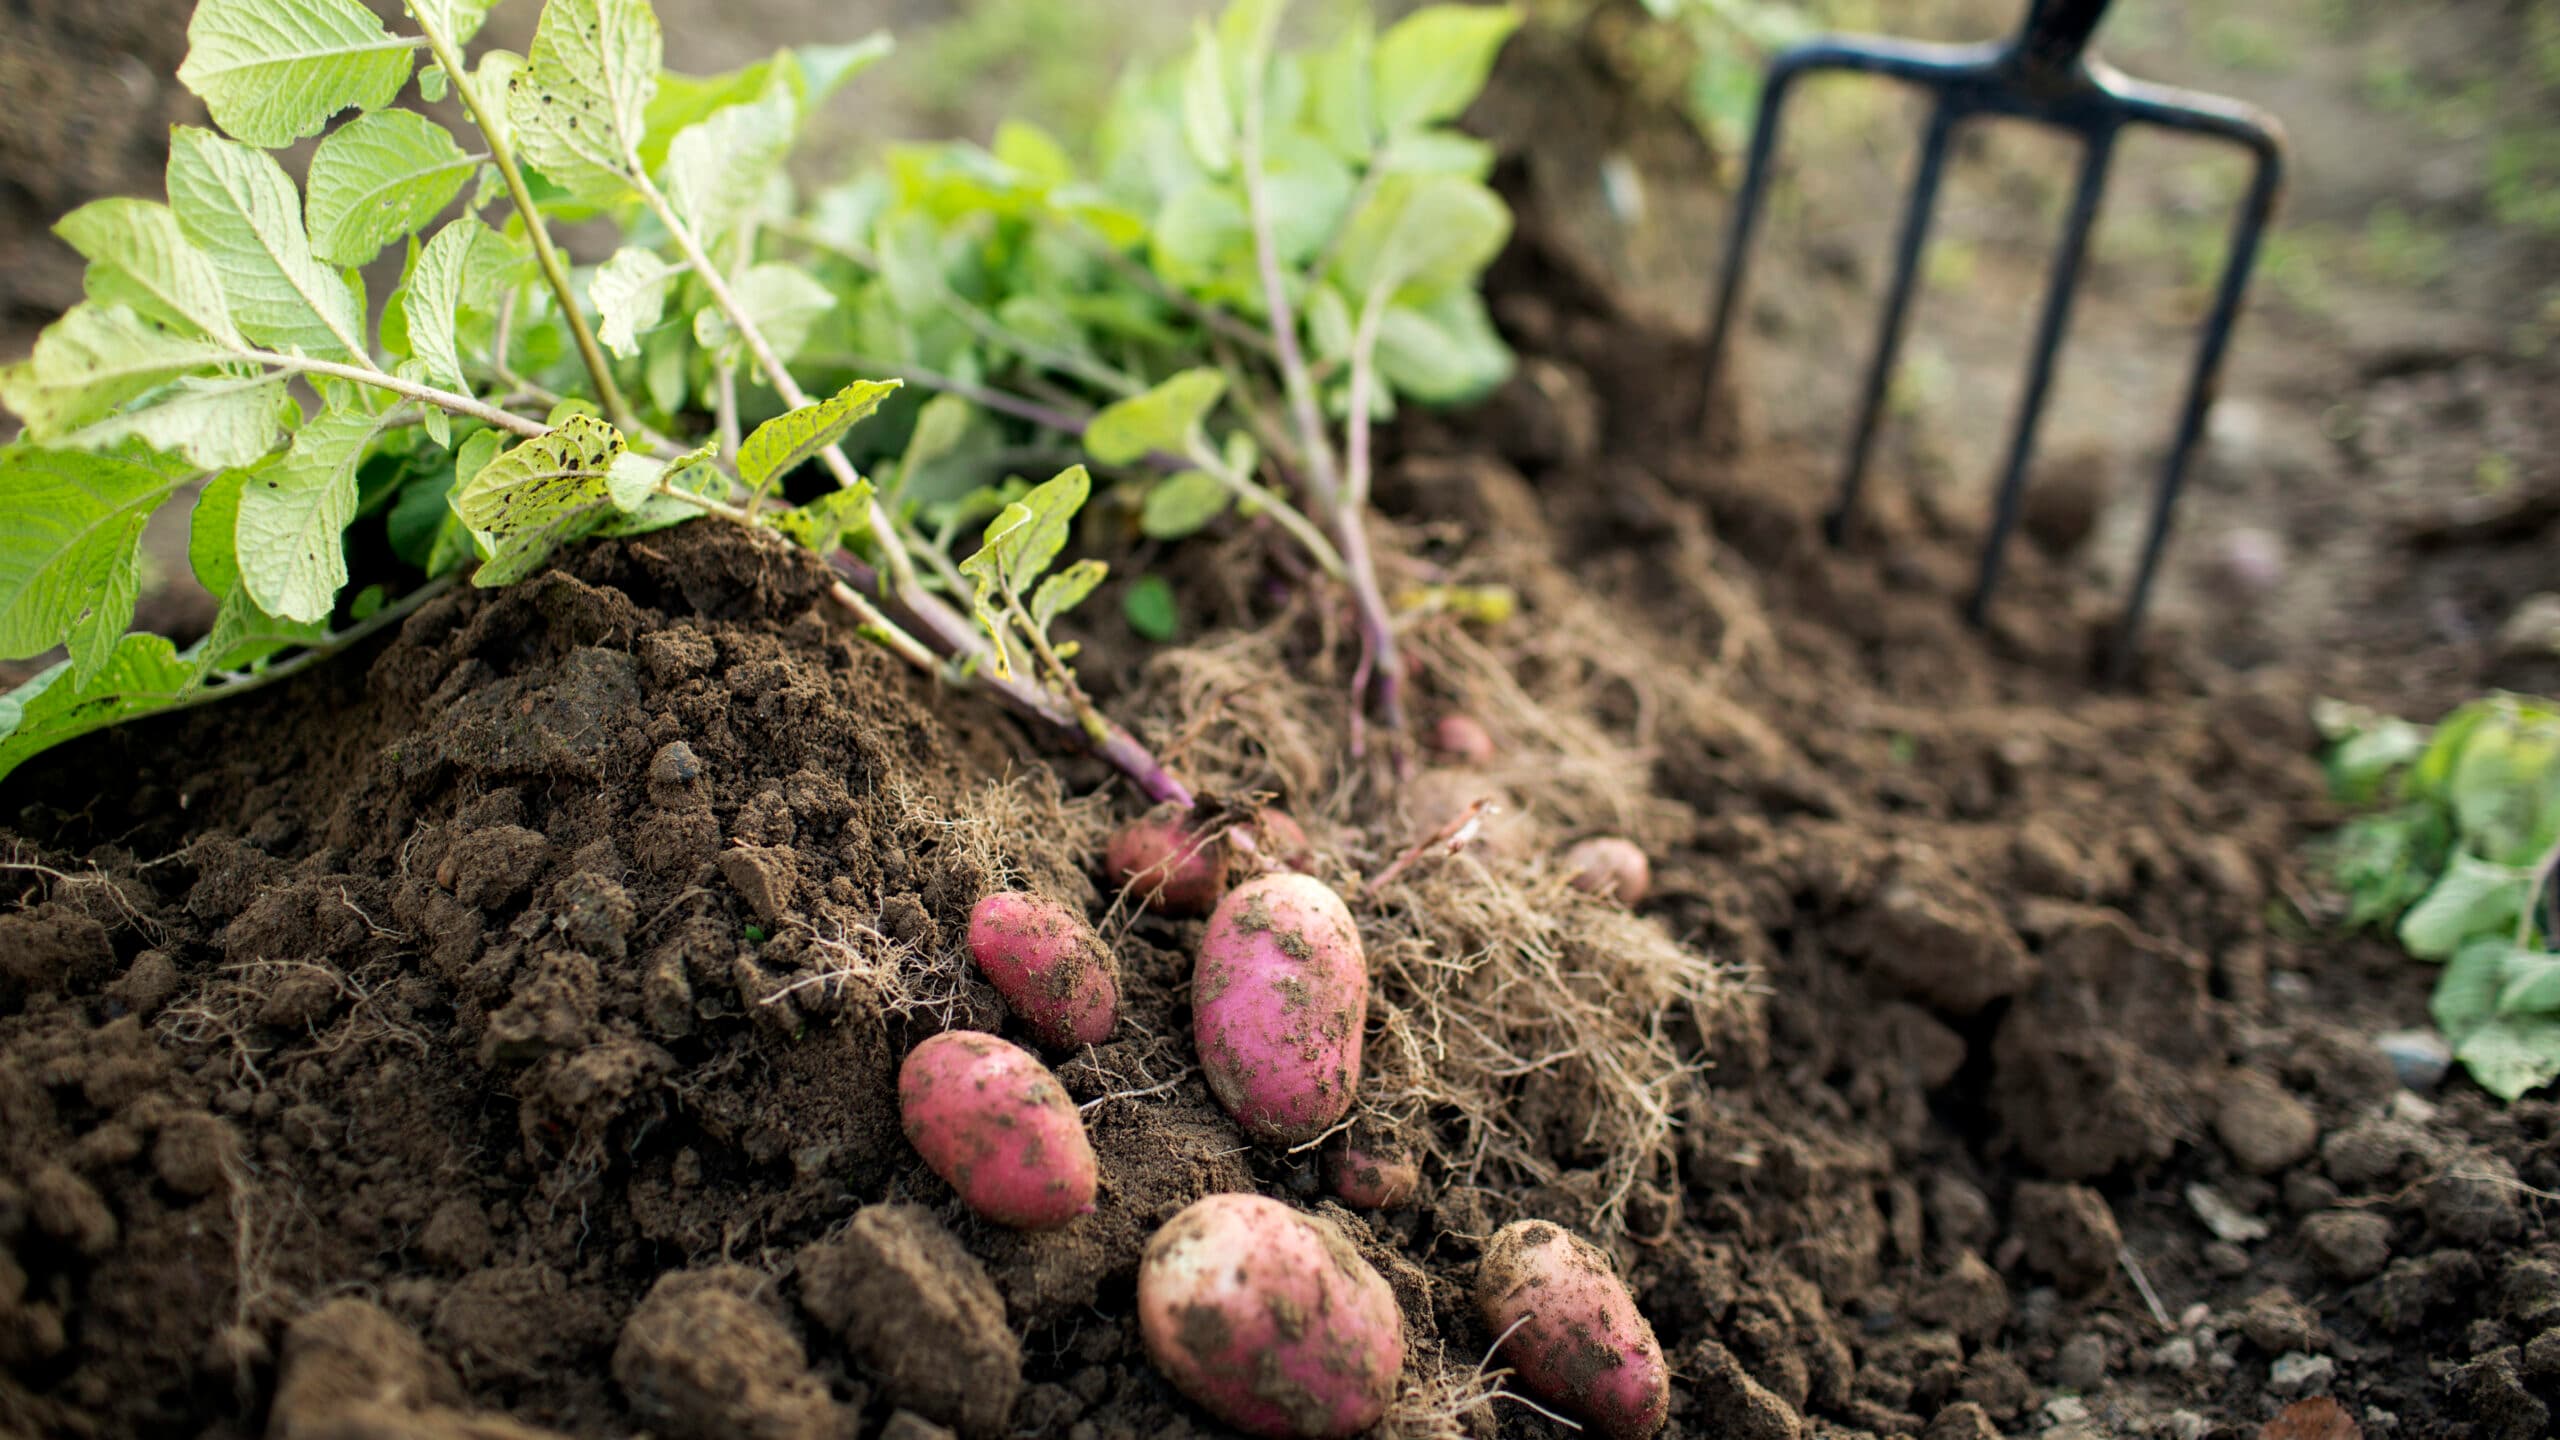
(2056, 33)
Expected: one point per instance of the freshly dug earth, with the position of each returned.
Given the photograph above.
(496, 1031)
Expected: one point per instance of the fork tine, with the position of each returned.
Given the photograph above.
(2050, 333)
(2265, 144)
(1918, 208)
(1746, 216)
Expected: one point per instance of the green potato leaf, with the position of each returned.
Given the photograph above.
(294, 512)
(238, 207)
(70, 554)
(785, 442)
(1432, 63)
(92, 361)
(1182, 504)
(1161, 417)
(580, 106)
(2472, 898)
(630, 294)
(274, 71)
(140, 674)
(377, 178)
(530, 500)
(140, 259)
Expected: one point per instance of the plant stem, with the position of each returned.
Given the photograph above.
(884, 630)
(899, 591)
(449, 400)
(1289, 516)
(1145, 279)
(1061, 679)
(320, 649)
(1003, 402)
(502, 150)
(1380, 666)
(902, 572)
(1387, 678)
(947, 631)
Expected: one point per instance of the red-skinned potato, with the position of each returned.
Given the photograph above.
(1371, 1177)
(1462, 738)
(1276, 840)
(1166, 866)
(1048, 965)
(1269, 1319)
(1611, 866)
(998, 1128)
(1582, 1346)
(1278, 999)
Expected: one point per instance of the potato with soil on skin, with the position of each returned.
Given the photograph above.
(1372, 1177)
(992, 1121)
(1611, 866)
(1273, 840)
(1278, 999)
(1269, 1319)
(1166, 865)
(1581, 1343)
(1048, 965)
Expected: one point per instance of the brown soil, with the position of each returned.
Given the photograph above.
(494, 1032)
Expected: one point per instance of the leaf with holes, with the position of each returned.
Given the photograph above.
(783, 443)
(580, 107)
(542, 493)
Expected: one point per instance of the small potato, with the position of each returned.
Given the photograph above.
(1582, 1347)
(1278, 999)
(1463, 739)
(1269, 1319)
(1168, 867)
(998, 1128)
(1048, 965)
(1276, 840)
(1372, 1178)
(1610, 866)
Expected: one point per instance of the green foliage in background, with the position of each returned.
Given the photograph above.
(2457, 855)
(1256, 231)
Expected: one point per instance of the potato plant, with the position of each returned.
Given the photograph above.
(1264, 253)
(2458, 857)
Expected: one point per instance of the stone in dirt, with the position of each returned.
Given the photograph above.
(918, 1311)
(1964, 1420)
(2478, 1200)
(2263, 1127)
(2349, 1244)
(2275, 1322)
(1970, 1299)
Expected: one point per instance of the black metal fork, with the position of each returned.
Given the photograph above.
(2044, 75)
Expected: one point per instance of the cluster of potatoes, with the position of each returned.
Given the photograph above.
(1265, 1316)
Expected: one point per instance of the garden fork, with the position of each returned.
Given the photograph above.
(2042, 75)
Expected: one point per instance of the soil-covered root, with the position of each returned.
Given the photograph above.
(1547, 1036)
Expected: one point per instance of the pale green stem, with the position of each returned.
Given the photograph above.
(902, 570)
(554, 272)
(1289, 516)
(449, 400)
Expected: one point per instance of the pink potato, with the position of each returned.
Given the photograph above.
(998, 1128)
(1462, 738)
(1048, 965)
(1170, 868)
(1275, 839)
(1582, 1346)
(1269, 1319)
(1373, 1178)
(1278, 998)
(1610, 866)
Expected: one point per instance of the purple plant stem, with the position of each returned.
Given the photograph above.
(950, 633)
